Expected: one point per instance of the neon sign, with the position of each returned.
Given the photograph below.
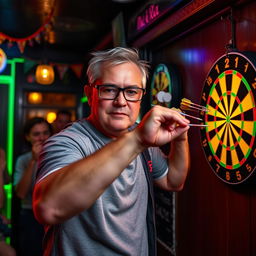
(3, 60)
(151, 13)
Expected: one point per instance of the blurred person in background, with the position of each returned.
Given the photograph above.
(5, 249)
(30, 233)
(63, 118)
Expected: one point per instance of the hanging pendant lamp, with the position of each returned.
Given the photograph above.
(44, 74)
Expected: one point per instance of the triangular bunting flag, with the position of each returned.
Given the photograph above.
(21, 46)
(38, 38)
(10, 44)
(77, 69)
(62, 70)
(31, 42)
(28, 64)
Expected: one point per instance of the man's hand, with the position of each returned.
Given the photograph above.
(162, 125)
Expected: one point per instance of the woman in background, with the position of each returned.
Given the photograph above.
(37, 130)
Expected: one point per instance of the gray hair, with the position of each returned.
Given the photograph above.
(113, 57)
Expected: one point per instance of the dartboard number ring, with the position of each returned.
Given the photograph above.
(229, 139)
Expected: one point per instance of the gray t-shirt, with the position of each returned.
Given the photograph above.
(116, 222)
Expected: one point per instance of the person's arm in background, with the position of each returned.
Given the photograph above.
(2, 169)
(3, 179)
(23, 186)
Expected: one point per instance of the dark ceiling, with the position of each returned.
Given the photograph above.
(77, 26)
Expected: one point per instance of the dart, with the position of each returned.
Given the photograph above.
(187, 104)
(191, 103)
(192, 108)
(184, 114)
(193, 117)
(198, 125)
(189, 107)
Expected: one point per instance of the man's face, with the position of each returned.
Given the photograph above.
(114, 117)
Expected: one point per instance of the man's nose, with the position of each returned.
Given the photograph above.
(120, 98)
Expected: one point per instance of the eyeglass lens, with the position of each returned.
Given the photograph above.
(111, 92)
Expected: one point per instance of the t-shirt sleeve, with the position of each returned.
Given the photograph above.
(58, 151)
(159, 163)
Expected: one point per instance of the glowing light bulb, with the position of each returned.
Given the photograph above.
(51, 116)
(44, 74)
(34, 97)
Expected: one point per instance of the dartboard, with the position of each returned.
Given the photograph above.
(229, 96)
(161, 91)
(166, 86)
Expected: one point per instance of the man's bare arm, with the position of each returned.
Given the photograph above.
(179, 162)
(76, 187)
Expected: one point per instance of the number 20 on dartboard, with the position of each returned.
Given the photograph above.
(228, 140)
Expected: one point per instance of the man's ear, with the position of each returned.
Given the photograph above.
(88, 92)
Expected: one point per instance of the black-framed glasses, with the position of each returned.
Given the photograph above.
(111, 92)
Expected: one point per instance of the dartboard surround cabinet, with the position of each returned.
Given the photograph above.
(229, 139)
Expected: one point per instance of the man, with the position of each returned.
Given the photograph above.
(92, 191)
(63, 118)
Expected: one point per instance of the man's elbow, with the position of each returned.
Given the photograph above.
(178, 188)
(43, 214)
(175, 187)
(42, 211)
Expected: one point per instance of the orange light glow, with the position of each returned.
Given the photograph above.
(44, 74)
(35, 97)
(51, 116)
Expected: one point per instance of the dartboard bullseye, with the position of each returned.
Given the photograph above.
(229, 139)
